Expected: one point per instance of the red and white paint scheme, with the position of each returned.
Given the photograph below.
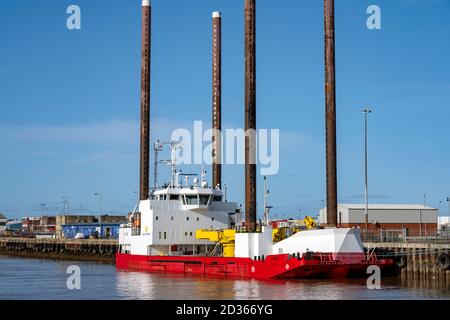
(295, 264)
(160, 237)
(161, 233)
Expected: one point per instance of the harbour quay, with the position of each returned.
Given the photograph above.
(427, 261)
(99, 250)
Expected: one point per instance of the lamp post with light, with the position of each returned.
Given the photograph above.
(366, 193)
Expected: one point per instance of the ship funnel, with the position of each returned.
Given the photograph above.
(250, 115)
(216, 99)
(145, 101)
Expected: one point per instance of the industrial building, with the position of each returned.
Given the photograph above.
(414, 219)
(2, 223)
(71, 219)
(14, 225)
(38, 225)
(444, 220)
(91, 230)
(105, 226)
(444, 226)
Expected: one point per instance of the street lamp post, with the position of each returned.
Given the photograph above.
(420, 222)
(448, 202)
(366, 193)
(42, 208)
(323, 219)
(424, 207)
(100, 199)
(65, 204)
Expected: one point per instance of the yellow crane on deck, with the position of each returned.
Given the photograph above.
(224, 237)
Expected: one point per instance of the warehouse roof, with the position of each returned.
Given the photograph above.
(96, 224)
(388, 206)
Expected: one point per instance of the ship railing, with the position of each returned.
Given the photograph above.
(244, 229)
(439, 236)
(328, 257)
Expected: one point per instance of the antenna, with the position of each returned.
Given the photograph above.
(173, 162)
(157, 147)
(266, 200)
(204, 182)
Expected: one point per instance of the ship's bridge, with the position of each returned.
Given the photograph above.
(191, 198)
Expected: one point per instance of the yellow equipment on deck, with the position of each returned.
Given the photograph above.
(285, 229)
(224, 237)
(310, 223)
(280, 233)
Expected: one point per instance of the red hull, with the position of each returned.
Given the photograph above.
(274, 266)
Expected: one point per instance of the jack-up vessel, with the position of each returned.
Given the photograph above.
(191, 228)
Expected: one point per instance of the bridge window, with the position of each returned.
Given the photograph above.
(165, 235)
(187, 218)
(217, 198)
(204, 200)
(159, 235)
(174, 197)
(191, 200)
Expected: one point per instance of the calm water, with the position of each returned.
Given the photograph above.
(44, 279)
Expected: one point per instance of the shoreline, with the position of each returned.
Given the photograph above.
(102, 251)
(59, 256)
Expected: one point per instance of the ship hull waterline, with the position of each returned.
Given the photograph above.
(281, 266)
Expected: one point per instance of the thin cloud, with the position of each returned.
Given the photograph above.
(290, 139)
(104, 157)
(108, 132)
(361, 196)
(105, 141)
(408, 3)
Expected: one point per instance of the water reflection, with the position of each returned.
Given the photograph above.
(32, 279)
(136, 285)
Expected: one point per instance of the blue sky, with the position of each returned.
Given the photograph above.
(69, 100)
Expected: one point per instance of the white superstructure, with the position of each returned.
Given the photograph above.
(169, 221)
(333, 240)
(166, 223)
